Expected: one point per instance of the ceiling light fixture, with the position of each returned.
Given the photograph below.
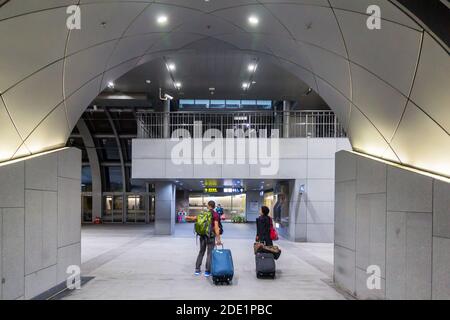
(253, 20)
(245, 85)
(162, 19)
(148, 81)
(171, 67)
(178, 85)
(252, 67)
(111, 85)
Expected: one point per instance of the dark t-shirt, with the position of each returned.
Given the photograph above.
(215, 217)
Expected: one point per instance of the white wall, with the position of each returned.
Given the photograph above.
(396, 219)
(40, 222)
(305, 161)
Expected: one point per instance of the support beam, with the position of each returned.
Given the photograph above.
(95, 168)
(122, 165)
(165, 194)
(166, 122)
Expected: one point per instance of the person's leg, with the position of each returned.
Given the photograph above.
(211, 244)
(201, 254)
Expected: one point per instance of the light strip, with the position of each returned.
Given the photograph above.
(9, 162)
(400, 166)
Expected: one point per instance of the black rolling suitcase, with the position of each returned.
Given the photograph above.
(265, 265)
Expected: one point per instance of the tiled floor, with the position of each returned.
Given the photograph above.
(128, 262)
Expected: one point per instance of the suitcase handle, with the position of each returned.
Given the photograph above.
(219, 246)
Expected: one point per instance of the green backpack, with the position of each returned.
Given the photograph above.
(203, 224)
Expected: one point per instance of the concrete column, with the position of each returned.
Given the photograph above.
(166, 120)
(165, 194)
(286, 118)
(252, 212)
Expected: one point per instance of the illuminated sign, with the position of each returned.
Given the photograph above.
(211, 190)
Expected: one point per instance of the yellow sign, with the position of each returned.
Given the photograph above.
(211, 190)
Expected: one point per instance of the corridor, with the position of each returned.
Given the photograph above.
(129, 262)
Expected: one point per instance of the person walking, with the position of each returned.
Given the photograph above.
(263, 226)
(209, 237)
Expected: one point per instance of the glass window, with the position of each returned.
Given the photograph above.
(86, 179)
(86, 207)
(202, 103)
(217, 104)
(107, 209)
(114, 179)
(233, 104)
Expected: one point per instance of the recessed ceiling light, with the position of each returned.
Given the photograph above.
(253, 20)
(148, 81)
(178, 85)
(162, 19)
(245, 85)
(252, 67)
(111, 85)
(171, 66)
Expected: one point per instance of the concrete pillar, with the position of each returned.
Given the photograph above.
(165, 194)
(286, 118)
(166, 120)
(40, 223)
(252, 210)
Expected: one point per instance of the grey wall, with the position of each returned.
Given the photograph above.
(40, 222)
(394, 218)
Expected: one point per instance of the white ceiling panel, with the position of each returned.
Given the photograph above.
(174, 41)
(9, 136)
(380, 51)
(290, 50)
(15, 8)
(132, 47)
(421, 143)
(22, 151)
(117, 72)
(246, 41)
(336, 101)
(207, 25)
(26, 51)
(313, 24)
(147, 21)
(382, 104)
(300, 73)
(116, 17)
(363, 135)
(268, 23)
(331, 68)
(52, 132)
(432, 85)
(85, 65)
(388, 10)
(77, 103)
(322, 3)
(31, 100)
(208, 6)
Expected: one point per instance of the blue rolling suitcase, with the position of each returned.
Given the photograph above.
(222, 266)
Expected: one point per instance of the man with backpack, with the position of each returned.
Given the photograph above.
(208, 228)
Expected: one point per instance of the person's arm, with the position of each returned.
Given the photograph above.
(217, 232)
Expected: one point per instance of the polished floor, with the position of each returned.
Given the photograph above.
(129, 262)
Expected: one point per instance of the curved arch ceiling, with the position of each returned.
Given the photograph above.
(389, 87)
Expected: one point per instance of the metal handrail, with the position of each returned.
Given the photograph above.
(289, 124)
